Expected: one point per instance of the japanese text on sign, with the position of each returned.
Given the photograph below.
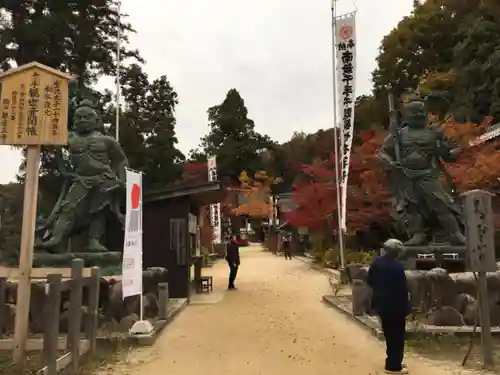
(37, 100)
(214, 208)
(345, 54)
(33, 99)
(22, 103)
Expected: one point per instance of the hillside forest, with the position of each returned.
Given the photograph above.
(447, 46)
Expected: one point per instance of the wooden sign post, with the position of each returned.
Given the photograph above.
(480, 231)
(34, 112)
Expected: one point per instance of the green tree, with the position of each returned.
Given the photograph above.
(164, 159)
(478, 66)
(233, 139)
(72, 36)
(423, 41)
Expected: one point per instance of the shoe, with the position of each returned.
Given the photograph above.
(404, 370)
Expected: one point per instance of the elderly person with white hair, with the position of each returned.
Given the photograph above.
(391, 302)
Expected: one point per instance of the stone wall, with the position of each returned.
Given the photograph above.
(115, 314)
(443, 299)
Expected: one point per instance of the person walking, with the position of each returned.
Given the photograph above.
(233, 260)
(391, 302)
(286, 247)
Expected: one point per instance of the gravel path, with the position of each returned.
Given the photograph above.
(274, 324)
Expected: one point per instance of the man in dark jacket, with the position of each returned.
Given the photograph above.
(391, 302)
(286, 247)
(233, 260)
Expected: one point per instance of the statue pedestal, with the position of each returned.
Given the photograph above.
(439, 253)
(102, 260)
(438, 249)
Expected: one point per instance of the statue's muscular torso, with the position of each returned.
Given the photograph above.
(91, 154)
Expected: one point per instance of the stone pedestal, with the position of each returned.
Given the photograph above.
(437, 251)
(102, 260)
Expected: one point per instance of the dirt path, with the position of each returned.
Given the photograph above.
(274, 324)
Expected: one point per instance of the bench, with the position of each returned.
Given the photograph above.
(205, 284)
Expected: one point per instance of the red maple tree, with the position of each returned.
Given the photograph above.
(315, 197)
(368, 198)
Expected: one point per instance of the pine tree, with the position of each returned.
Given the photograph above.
(233, 139)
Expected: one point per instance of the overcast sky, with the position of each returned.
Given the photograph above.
(276, 53)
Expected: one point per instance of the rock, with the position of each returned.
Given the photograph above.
(9, 315)
(462, 302)
(470, 313)
(357, 271)
(446, 316)
(420, 289)
(465, 283)
(150, 304)
(127, 322)
(98, 259)
(443, 288)
(152, 277)
(64, 320)
(37, 301)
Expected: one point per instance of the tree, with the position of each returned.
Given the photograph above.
(164, 159)
(368, 200)
(477, 57)
(253, 195)
(314, 196)
(233, 139)
(73, 36)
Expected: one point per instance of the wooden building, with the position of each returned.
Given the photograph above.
(171, 218)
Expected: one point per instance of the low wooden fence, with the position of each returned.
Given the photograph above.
(74, 343)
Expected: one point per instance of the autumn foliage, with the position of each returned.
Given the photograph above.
(368, 198)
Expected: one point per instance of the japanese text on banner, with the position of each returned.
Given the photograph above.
(214, 208)
(132, 251)
(345, 54)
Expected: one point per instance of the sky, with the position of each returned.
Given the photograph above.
(276, 53)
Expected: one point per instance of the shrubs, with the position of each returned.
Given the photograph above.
(331, 257)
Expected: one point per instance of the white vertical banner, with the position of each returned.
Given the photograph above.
(132, 251)
(345, 54)
(214, 208)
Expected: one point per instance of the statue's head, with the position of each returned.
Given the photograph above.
(415, 114)
(85, 118)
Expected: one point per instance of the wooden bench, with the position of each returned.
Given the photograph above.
(205, 284)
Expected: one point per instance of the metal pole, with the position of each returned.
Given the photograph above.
(335, 135)
(118, 68)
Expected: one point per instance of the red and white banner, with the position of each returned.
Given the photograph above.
(345, 55)
(132, 251)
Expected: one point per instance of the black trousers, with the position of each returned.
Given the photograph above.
(394, 333)
(233, 271)
(288, 254)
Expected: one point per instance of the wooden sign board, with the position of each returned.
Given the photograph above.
(34, 106)
(480, 231)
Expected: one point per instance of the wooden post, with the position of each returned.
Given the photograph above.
(481, 257)
(26, 122)
(93, 308)
(162, 301)
(3, 307)
(51, 329)
(75, 313)
(26, 254)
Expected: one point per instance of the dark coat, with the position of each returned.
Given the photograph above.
(233, 253)
(387, 278)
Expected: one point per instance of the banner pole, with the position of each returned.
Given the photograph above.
(336, 132)
(118, 68)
